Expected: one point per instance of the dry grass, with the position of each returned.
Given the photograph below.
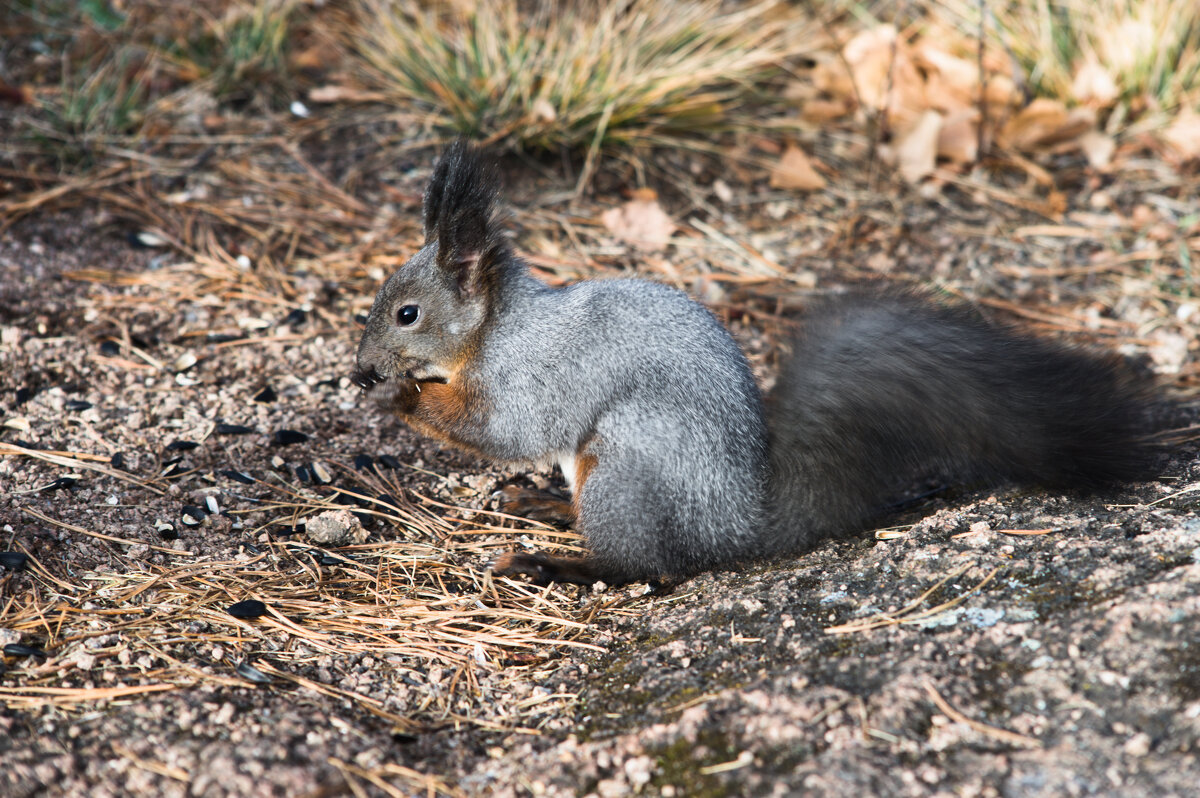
(578, 75)
(1151, 48)
(413, 602)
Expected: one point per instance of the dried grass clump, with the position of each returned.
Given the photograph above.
(578, 74)
(1144, 52)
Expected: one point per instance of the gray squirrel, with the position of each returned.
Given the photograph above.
(676, 463)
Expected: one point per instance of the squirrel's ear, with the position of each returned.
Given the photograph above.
(460, 209)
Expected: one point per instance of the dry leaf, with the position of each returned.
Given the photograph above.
(870, 56)
(640, 222)
(958, 139)
(795, 170)
(1045, 122)
(1094, 85)
(916, 150)
(823, 110)
(1183, 135)
(1098, 148)
(953, 82)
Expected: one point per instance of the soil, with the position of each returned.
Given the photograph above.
(1056, 653)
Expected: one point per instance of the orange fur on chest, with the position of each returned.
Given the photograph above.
(448, 411)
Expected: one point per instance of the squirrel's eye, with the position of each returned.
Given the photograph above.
(407, 315)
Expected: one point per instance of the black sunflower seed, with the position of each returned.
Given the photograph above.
(24, 395)
(117, 460)
(388, 500)
(61, 483)
(13, 560)
(320, 473)
(266, 395)
(250, 608)
(194, 512)
(364, 462)
(325, 558)
(19, 650)
(295, 318)
(175, 468)
(360, 318)
(404, 738)
(167, 532)
(110, 348)
(252, 674)
(286, 437)
(233, 429)
(303, 474)
(238, 476)
(387, 461)
(75, 405)
(182, 446)
(223, 338)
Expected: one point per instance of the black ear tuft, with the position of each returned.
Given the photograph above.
(460, 209)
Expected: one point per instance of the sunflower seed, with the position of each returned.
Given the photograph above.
(166, 531)
(13, 560)
(192, 515)
(387, 461)
(364, 462)
(286, 437)
(19, 650)
(320, 473)
(250, 608)
(266, 395)
(184, 362)
(252, 674)
(210, 504)
(238, 476)
(181, 446)
(75, 405)
(233, 429)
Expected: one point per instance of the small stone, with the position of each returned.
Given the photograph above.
(335, 528)
(1138, 745)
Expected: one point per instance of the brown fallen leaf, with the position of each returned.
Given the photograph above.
(641, 222)
(958, 140)
(1044, 123)
(1183, 135)
(917, 148)
(1098, 148)
(795, 171)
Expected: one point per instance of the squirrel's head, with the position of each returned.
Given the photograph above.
(430, 315)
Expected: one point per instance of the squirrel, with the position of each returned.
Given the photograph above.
(676, 462)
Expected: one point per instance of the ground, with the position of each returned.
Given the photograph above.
(993, 641)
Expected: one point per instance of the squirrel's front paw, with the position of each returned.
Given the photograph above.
(396, 394)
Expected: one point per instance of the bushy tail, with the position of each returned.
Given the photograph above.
(880, 391)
